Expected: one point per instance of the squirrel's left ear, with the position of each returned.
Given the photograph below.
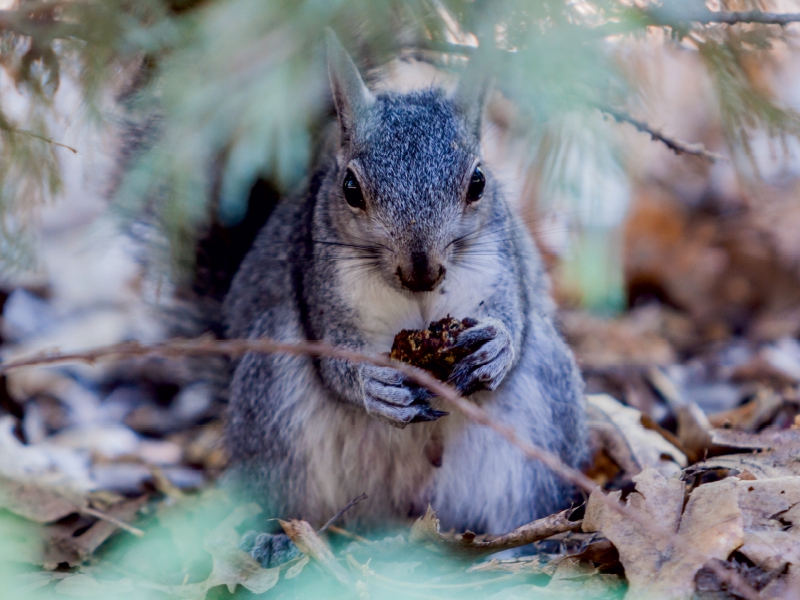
(350, 94)
(470, 97)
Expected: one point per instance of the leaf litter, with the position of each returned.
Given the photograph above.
(691, 424)
(732, 493)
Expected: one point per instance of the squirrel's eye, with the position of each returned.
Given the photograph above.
(352, 191)
(476, 184)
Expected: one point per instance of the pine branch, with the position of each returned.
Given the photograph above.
(679, 147)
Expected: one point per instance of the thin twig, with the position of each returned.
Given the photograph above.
(636, 20)
(349, 534)
(339, 514)
(538, 530)
(206, 346)
(98, 514)
(42, 29)
(43, 138)
(677, 146)
(396, 583)
(707, 17)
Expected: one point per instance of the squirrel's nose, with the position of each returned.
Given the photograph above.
(422, 275)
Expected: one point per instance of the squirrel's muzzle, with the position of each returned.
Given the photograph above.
(421, 274)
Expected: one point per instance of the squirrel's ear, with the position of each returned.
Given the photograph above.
(470, 98)
(350, 94)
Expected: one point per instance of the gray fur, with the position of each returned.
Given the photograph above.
(308, 435)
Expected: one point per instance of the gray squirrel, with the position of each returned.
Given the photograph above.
(401, 225)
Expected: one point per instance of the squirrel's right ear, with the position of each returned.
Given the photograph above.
(471, 95)
(350, 94)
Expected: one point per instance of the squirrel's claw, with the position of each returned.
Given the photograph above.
(429, 414)
(401, 416)
(486, 367)
(391, 397)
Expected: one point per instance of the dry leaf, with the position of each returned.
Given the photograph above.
(711, 523)
(576, 579)
(62, 545)
(43, 504)
(777, 453)
(426, 528)
(23, 584)
(297, 567)
(771, 511)
(307, 540)
(571, 579)
(752, 415)
(619, 431)
(232, 566)
(693, 430)
(603, 343)
(45, 464)
(83, 586)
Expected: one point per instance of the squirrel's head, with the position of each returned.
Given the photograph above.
(409, 186)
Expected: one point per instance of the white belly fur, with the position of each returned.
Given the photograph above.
(357, 453)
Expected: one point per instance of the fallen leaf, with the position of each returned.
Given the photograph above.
(571, 579)
(232, 566)
(45, 464)
(74, 541)
(24, 583)
(619, 431)
(426, 528)
(750, 416)
(297, 567)
(711, 523)
(43, 504)
(307, 540)
(83, 586)
(600, 343)
(771, 511)
(574, 578)
(776, 453)
(693, 430)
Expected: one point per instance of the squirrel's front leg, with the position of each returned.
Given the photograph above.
(491, 360)
(383, 392)
(392, 397)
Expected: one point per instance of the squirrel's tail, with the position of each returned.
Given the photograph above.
(219, 250)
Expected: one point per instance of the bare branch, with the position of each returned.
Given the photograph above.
(341, 512)
(42, 29)
(677, 146)
(635, 20)
(470, 545)
(40, 137)
(707, 17)
(99, 514)
(235, 348)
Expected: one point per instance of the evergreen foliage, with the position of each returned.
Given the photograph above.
(224, 91)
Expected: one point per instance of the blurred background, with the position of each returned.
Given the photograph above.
(652, 148)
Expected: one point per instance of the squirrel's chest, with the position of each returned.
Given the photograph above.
(383, 311)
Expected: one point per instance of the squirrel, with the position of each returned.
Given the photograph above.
(401, 224)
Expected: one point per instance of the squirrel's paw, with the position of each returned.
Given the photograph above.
(392, 397)
(269, 549)
(491, 360)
